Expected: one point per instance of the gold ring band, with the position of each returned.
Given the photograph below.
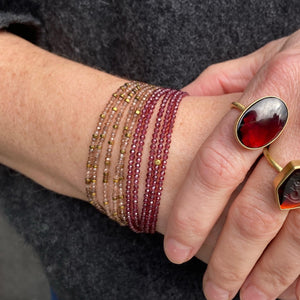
(238, 106)
(271, 161)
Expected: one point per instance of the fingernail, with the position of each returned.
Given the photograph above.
(214, 292)
(252, 293)
(177, 252)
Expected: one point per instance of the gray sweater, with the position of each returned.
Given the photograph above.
(167, 42)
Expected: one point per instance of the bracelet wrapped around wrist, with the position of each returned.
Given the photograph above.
(116, 152)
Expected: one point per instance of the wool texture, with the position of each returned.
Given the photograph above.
(169, 43)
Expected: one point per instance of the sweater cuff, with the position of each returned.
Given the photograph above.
(23, 25)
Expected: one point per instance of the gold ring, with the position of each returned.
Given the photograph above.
(261, 122)
(286, 183)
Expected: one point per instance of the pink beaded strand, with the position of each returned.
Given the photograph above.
(156, 196)
(154, 158)
(135, 158)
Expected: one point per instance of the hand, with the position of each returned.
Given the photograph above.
(257, 239)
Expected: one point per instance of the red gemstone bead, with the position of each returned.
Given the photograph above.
(289, 191)
(262, 122)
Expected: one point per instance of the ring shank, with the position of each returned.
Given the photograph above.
(271, 161)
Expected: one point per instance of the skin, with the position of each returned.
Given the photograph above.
(258, 248)
(49, 109)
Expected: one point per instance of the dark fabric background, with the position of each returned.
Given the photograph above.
(85, 255)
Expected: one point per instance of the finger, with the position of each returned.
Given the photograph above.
(218, 168)
(254, 218)
(234, 75)
(220, 165)
(253, 221)
(290, 292)
(271, 277)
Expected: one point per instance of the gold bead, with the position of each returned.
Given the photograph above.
(99, 147)
(95, 136)
(115, 126)
(114, 108)
(115, 213)
(116, 180)
(137, 112)
(122, 96)
(93, 194)
(122, 206)
(87, 180)
(137, 98)
(110, 142)
(105, 202)
(131, 94)
(121, 197)
(92, 202)
(92, 147)
(123, 88)
(125, 127)
(102, 135)
(122, 151)
(115, 198)
(88, 165)
(95, 166)
(93, 180)
(102, 116)
(127, 100)
(105, 180)
(107, 162)
(115, 95)
(128, 135)
(157, 162)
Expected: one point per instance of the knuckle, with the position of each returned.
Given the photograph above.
(293, 226)
(188, 225)
(215, 168)
(226, 275)
(283, 70)
(254, 222)
(276, 277)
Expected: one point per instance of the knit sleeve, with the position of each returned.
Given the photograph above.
(22, 24)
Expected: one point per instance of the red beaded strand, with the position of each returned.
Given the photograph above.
(159, 188)
(135, 159)
(154, 159)
(158, 156)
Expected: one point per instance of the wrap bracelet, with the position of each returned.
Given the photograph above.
(125, 121)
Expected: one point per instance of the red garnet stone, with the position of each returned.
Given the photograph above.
(261, 122)
(289, 191)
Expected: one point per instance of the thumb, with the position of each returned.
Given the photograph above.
(232, 76)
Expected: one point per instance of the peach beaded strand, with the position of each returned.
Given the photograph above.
(95, 148)
(118, 179)
(116, 118)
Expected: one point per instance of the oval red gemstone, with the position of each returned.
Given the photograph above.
(289, 191)
(262, 122)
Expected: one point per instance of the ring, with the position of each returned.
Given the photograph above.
(286, 183)
(260, 123)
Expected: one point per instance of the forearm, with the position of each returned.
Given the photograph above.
(50, 109)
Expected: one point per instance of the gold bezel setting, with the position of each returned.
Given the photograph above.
(244, 110)
(282, 177)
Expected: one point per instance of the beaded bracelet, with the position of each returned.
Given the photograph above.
(120, 191)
